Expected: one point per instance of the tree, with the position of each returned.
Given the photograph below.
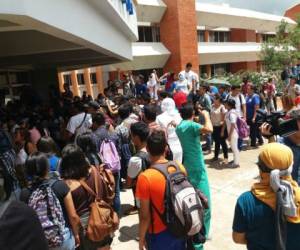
(283, 49)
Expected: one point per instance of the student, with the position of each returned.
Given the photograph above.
(150, 113)
(266, 217)
(140, 161)
(20, 227)
(188, 133)
(151, 189)
(37, 169)
(233, 136)
(75, 168)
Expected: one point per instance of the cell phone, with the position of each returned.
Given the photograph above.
(287, 128)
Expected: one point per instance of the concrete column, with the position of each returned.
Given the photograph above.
(61, 82)
(87, 82)
(75, 88)
(206, 36)
(258, 38)
(208, 70)
(178, 33)
(100, 82)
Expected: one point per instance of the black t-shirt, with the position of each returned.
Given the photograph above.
(60, 188)
(20, 229)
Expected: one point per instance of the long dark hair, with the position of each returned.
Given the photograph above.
(37, 167)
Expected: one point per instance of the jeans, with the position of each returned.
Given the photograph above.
(69, 241)
(208, 141)
(117, 201)
(254, 133)
(234, 147)
(164, 240)
(240, 144)
(219, 141)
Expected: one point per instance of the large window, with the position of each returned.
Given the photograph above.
(220, 69)
(267, 37)
(80, 79)
(93, 77)
(201, 35)
(219, 36)
(149, 34)
(67, 79)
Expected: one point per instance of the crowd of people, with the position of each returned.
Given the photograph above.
(64, 162)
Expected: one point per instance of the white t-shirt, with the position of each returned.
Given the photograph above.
(75, 122)
(231, 118)
(134, 167)
(238, 104)
(182, 86)
(190, 76)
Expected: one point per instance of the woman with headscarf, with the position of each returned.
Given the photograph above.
(268, 216)
(168, 121)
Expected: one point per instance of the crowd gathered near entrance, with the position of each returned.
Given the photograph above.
(64, 162)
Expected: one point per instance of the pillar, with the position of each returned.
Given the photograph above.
(206, 36)
(100, 82)
(208, 70)
(87, 82)
(178, 33)
(259, 66)
(75, 88)
(61, 82)
(259, 38)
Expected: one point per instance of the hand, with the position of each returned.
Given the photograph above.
(229, 138)
(265, 129)
(253, 120)
(142, 244)
(77, 241)
(222, 134)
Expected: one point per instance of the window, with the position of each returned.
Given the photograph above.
(93, 77)
(219, 36)
(80, 79)
(201, 36)
(220, 69)
(67, 79)
(203, 70)
(267, 37)
(149, 34)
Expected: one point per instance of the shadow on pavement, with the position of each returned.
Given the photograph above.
(128, 233)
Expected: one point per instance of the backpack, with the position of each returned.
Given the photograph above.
(125, 152)
(242, 127)
(49, 211)
(145, 159)
(109, 182)
(109, 155)
(102, 220)
(184, 205)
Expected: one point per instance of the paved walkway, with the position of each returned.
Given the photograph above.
(226, 186)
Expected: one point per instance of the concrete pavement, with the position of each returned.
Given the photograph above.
(226, 185)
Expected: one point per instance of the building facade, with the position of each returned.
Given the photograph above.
(214, 38)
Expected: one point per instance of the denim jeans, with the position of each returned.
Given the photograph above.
(117, 201)
(69, 241)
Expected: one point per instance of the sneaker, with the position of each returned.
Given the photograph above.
(233, 165)
(224, 162)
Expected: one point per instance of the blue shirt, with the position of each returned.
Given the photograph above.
(53, 161)
(214, 90)
(140, 89)
(251, 102)
(257, 221)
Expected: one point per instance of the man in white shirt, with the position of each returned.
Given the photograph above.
(240, 101)
(79, 123)
(191, 76)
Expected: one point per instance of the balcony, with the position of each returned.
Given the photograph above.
(150, 11)
(145, 56)
(213, 16)
(213, 53)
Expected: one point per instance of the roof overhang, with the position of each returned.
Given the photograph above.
(150, 10)
(145, 56)
(66, 32)
(213, 53)
(214, 16)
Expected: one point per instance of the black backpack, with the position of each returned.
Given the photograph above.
(145, 159)
(184, 205)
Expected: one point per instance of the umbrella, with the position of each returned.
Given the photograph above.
(216, 81)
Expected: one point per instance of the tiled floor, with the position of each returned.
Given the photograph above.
(226, 186)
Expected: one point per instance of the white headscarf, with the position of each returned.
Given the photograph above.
(168, 106)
